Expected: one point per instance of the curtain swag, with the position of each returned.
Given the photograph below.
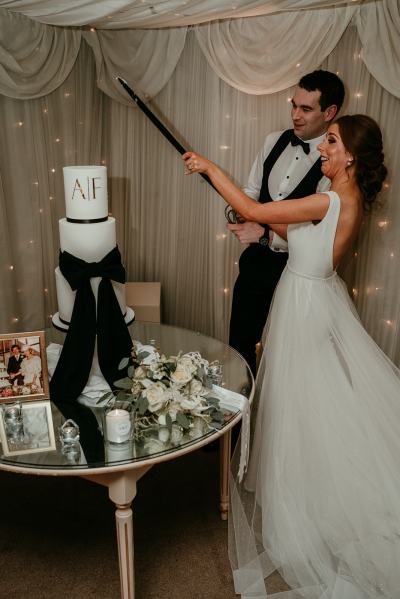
(256, 55)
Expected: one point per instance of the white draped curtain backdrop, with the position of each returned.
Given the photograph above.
(220, 75)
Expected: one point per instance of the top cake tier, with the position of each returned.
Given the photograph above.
(85, 190)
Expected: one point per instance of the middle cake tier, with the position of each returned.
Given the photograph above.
(89, 242)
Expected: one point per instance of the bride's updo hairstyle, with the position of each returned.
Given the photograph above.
(362, 137)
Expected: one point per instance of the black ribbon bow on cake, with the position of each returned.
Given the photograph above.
(296, 141)
(113, 339)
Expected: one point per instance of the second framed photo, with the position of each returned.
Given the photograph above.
(26, 428)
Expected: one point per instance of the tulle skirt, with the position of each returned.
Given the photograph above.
(320, 501)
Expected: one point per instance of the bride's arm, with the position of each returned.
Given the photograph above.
(312, 207)
(280, 230)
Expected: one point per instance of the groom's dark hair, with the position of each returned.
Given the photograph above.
(329, 84)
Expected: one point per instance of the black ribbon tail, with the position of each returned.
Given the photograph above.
(75, 362)
(113, 338)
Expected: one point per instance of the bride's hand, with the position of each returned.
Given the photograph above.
(195, 163)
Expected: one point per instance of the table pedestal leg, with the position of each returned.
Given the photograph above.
(224, 462)
(124, 522)
(122, 491)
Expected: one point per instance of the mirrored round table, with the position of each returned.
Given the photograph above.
(119, 469)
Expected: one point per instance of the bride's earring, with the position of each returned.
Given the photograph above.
(350, 162)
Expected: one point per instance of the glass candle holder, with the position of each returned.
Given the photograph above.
(118, 423)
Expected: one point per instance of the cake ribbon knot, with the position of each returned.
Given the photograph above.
(107, 322)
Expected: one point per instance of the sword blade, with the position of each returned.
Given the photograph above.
(156, 121)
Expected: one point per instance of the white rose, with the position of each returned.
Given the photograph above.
(188, 363)
(183, 372)
(157, 370)
(191, 404)
(194, 387)
(140, 373)
(155, 396)
(136, 388)
(172, 411)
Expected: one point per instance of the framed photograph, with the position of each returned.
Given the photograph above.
(23, 367)
(26, 428)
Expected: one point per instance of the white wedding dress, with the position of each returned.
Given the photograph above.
(321, 499)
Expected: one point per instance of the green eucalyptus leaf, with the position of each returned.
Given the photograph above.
(217, 415)
(142, 405)
(123, 364)
(142, 355)
(168, 421)
(213, 401)
(131, 371)
(124, 383)
(183, 421)
(121, 396)
(106, 397)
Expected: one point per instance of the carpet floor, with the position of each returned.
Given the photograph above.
(57, 536)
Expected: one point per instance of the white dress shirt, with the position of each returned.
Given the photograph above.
(287, 172)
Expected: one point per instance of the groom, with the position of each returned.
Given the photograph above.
(287, 166)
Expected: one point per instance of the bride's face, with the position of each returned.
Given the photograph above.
(335, 158)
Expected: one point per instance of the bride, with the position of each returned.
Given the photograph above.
(320, 502)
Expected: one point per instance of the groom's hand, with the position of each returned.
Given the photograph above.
(247, 232)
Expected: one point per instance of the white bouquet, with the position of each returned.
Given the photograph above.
(171, 392)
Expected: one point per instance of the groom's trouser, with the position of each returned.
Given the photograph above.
(259, 271)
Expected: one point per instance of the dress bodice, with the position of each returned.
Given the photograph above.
(311, 246)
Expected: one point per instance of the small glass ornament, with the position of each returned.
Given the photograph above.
(69, 436)
(13, 421)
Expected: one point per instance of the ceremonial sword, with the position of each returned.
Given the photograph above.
(229, 212)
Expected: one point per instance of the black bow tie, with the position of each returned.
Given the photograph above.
(296, 141)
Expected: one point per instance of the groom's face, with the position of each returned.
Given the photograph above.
(309, 121)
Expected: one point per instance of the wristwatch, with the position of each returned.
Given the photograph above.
(264, 239)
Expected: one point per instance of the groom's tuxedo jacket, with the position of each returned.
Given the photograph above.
(280, 171)
(13, 366)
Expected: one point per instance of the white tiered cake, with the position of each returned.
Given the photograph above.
(88, 233)
(4, 380)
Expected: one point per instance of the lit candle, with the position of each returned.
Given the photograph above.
(118, 425)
